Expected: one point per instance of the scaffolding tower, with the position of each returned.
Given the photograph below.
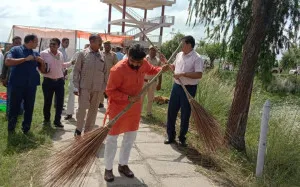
(130, 18)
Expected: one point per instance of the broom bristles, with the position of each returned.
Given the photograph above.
(207, 127)
(74, 161)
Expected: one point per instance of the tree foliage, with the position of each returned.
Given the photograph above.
(221, 17)
(170, 46)
(257, 29)
(212, 50)
(290, 58)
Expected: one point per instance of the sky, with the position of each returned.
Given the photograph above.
(88, 15)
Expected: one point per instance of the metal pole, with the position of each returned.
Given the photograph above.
(263, 139)
(145, 18)
(123, 17)
(109, 18)
(75, 41)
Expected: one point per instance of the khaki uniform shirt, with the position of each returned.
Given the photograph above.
(90, 71)
(155, 62)
(110, 59)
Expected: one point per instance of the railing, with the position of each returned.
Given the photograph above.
(133, 31)
(161, 19)
(133, 14)
(153, 38)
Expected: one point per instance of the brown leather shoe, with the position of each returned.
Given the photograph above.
(126, 171)
(108, 175)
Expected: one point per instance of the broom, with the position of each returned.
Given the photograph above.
(207, 126)
(73, 162)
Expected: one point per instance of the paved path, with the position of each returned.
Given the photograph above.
(153, 163)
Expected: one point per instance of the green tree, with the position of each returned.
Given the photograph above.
(291, 58)
(257, 32)
(170, 46)
(212, 50)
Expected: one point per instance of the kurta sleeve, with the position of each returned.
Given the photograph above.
(77, 71)
(150, 69)
(113, 85)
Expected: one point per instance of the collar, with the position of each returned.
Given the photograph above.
(190, 53)
(57, 54)
(110, 52)
(91, 51)
(148, 56)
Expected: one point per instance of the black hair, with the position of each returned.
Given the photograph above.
(118, 49)
(137, 52)
(16, 38)
(64, 39)
(56, 40)
(189, 40)
(93, 37)
(29, 37)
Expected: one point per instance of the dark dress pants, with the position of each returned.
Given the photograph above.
(178, 100)
(16, 95)
(51, 87)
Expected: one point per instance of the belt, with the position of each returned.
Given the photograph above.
(54, 79)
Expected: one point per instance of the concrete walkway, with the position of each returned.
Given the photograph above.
(153, 163)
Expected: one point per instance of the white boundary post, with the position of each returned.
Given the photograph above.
(263, 139)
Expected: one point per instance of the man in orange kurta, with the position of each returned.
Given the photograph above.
(125, 82)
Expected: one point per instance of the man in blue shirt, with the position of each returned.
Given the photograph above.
(23, 81)
(119, 54)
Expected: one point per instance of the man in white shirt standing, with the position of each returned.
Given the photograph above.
(64, 45)
(188, 67)
(154, 60)
(63, 48)
(71, 97)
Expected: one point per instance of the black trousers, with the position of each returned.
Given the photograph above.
(16, 95)
(51, 87)
(178, 100)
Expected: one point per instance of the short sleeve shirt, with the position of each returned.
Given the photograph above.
(26, 73)
(191, 62)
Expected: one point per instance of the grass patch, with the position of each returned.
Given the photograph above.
(22, 157)
(215, 93)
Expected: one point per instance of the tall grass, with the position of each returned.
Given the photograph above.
(282, 161)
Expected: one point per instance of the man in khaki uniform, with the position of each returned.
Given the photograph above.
(90, 78)
(110, 59)
(154, 60)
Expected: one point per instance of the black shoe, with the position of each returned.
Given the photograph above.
(47, 123)
(182, 144)
(126, 171)
(77, 133)
(68, 117)
(108, 175)
(27, 133)
(101, 105)
(169, 141)
(58, 125)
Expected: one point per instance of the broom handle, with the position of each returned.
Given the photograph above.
(150, 41)
(182, 85)
(114, 120)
